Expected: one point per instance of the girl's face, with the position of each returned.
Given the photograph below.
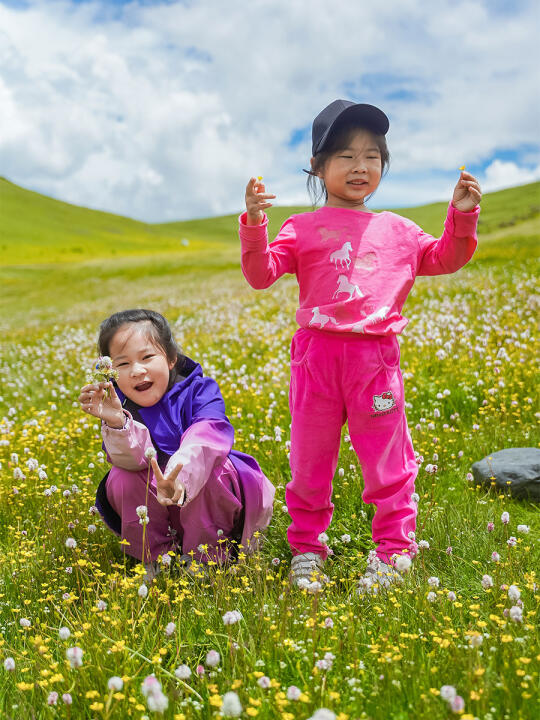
(354, 172)
(143, 367)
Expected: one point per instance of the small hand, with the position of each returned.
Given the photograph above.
(256, 201)
(170, 491)
(101, 401)
(467, 193)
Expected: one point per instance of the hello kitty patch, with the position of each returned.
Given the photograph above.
(384, 403)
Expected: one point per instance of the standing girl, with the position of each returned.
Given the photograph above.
(200, 491)
(355, 269)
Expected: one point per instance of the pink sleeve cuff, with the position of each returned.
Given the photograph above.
(462, 224)
(126, 447)
(253, 235)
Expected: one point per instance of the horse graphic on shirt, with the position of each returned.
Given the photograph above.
(341, 256)
(344, 286)
(320, 319)
(371, 319)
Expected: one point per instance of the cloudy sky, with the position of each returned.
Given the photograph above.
(162, 109)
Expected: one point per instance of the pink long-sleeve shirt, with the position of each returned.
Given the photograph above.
(354, 269)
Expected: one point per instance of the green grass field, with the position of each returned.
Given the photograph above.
(377, 657)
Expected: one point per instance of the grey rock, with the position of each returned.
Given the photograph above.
(516, 470)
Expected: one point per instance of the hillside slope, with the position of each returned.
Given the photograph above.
(36, 229)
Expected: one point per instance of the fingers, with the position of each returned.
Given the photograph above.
(173, 474)
(157, 470)
(256, 189)
(90, 398)
(112, 391)
(472, 186)
(179, 493)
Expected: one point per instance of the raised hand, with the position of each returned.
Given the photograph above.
(170, 491)
(101, 401)
(467, 193)
(256, 201)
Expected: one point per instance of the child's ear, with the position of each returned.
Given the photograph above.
(172, 363)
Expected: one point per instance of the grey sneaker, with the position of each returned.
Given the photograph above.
(306, 571)
(378, 575)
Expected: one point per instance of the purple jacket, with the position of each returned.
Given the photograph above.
(188, 426)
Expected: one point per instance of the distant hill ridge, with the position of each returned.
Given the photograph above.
(36, 229)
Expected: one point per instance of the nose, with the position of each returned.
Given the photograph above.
(360, 164)
(137, 369)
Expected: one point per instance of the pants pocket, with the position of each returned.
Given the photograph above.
(300, 345)
(388, 352)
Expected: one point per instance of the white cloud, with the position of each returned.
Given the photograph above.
(500, 175)
(163, 111)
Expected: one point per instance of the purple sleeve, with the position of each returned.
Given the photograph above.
(456, 246)
(263, 264)
(204, 447)
(126, 446)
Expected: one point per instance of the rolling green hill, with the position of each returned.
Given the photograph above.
(61, 261)
(36, 229)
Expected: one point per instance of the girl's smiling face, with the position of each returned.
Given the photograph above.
(143, 367)
(352, 173)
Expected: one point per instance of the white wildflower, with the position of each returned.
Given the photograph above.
(487, 581)
(231, 617)
(448, 692)
(293, 693)
(212, 658)
(182, 672)
(74, 655)
(516, 614)
(115, 683)
(230, 705)
(402, 563)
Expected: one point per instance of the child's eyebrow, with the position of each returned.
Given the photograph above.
(149, 348)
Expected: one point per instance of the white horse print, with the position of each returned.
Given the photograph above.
(371, 319)
(345, 286)
(341, 256)
(320, 319)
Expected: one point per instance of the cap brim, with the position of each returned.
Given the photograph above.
(367, 116)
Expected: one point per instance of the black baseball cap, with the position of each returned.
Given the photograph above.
(367, 116)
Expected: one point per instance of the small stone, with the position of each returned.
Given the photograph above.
(514, 469)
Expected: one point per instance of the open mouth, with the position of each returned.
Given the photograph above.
(358, 183)
(141, 387)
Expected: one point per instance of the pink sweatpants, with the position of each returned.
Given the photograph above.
(126, 490)
(336, 377)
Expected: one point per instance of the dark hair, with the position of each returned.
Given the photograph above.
(338, 140)
(159, 331)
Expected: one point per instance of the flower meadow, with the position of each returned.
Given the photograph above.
(83, 635)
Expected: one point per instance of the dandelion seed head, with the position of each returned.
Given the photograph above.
(115, 683)
(212, 658)
(231, 705)
(182, 672)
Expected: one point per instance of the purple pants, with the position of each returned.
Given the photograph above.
(214, 514)
(337, 377)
